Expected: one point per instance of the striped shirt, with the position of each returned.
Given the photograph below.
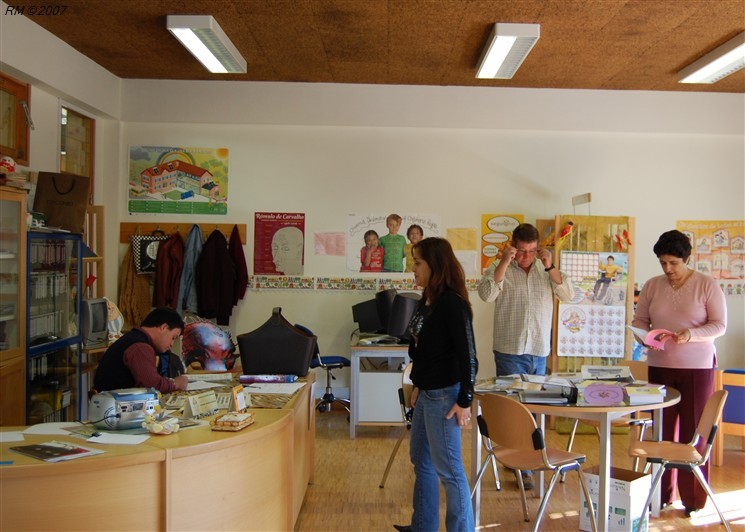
(523, 307)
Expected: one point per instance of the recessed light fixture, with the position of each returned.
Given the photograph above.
(508, 46)
(717, 64)
(204, 38)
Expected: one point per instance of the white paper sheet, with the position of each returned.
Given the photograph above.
(119, 439)
(50, 428)
(8, 437)
(275, 387)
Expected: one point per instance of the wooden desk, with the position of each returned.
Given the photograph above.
(603, 415)
(374, 393)
(195, 479)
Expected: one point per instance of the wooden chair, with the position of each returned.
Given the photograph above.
(733, 416)
(518, 443)
(639, 371)
(404, 398)
(674, 455)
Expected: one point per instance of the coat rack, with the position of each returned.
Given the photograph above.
(127, 229)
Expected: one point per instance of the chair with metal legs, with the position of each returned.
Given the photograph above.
(329, 363)
(490, 459)
(404, 398)
(685, 456)
(517, 443)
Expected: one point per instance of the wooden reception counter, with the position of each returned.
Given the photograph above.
(196, 479)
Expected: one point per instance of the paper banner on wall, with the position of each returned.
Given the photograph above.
(359, 224)
(279, 243)
(496, 233)
(719, 251)
(177, 180)
(330, 244)
(465, 243)
(593, 325)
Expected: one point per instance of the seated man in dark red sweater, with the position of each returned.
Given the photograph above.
(131, 361)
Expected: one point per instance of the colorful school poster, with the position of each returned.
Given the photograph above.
(718, 250)
(177, 180)
(496, 233)
(358, 225)
(279, 243)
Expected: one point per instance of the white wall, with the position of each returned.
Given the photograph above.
(328, 150)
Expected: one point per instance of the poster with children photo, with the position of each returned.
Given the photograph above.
(381, 243)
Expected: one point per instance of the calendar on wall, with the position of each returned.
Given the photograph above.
(594, 325)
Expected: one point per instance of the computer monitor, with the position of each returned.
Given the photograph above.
(403, 307)
(384, 302)
(95, 330)
(365, 314)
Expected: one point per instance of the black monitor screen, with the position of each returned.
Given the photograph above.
(384, 301)
(404, 305)
(365, 314)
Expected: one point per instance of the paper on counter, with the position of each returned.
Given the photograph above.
(287, 388)
(202, 385)
(9, 437)
(119, 439)
(59, 428)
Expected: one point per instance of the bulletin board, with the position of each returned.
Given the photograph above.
(592, 328)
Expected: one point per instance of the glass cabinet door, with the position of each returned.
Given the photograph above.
(53, 288)
(11, 264)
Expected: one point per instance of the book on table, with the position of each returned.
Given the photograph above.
(644, 395)
(542, 397)
(55, 451)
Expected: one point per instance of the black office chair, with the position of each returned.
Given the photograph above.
(329, 363)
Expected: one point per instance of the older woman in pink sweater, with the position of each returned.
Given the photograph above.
(692, 306)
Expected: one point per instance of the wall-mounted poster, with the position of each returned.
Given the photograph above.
(719, 251)
(595, 324)
(178, 180)
(496, 233)
(279, 243)
(382, 242)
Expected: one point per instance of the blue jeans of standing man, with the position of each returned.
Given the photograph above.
(435, 451)
(519, 364)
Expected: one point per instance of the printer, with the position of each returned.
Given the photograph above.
(121, 409)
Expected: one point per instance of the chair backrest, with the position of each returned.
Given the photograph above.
(316, 351)
(407, 386)
(509, 423)
(639, 369)
(710, 417)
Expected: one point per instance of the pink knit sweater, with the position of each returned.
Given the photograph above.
(699, 306)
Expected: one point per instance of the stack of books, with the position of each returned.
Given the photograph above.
(645, 395)
(17, 180)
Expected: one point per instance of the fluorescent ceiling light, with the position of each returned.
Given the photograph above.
(509, 45)
(717, 64)
(204, 38)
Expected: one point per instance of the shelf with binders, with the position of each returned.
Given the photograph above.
(53, 342)
(52, 385)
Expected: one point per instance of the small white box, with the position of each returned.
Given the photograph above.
(628, 491)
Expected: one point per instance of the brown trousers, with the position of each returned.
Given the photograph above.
(679, 423)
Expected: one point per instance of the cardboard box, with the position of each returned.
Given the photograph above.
(628, 491)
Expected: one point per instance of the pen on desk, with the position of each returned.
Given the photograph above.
(6, 462)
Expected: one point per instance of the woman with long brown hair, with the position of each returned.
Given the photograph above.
(443, 353)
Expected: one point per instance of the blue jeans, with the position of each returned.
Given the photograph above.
(519, 364)
(435, 451)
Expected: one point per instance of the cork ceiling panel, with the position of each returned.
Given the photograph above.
(584, 44)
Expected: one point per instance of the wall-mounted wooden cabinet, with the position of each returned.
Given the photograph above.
(12, 306)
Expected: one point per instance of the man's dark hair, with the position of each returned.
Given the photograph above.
(161, 315)
(525, 233)
(673, 243)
